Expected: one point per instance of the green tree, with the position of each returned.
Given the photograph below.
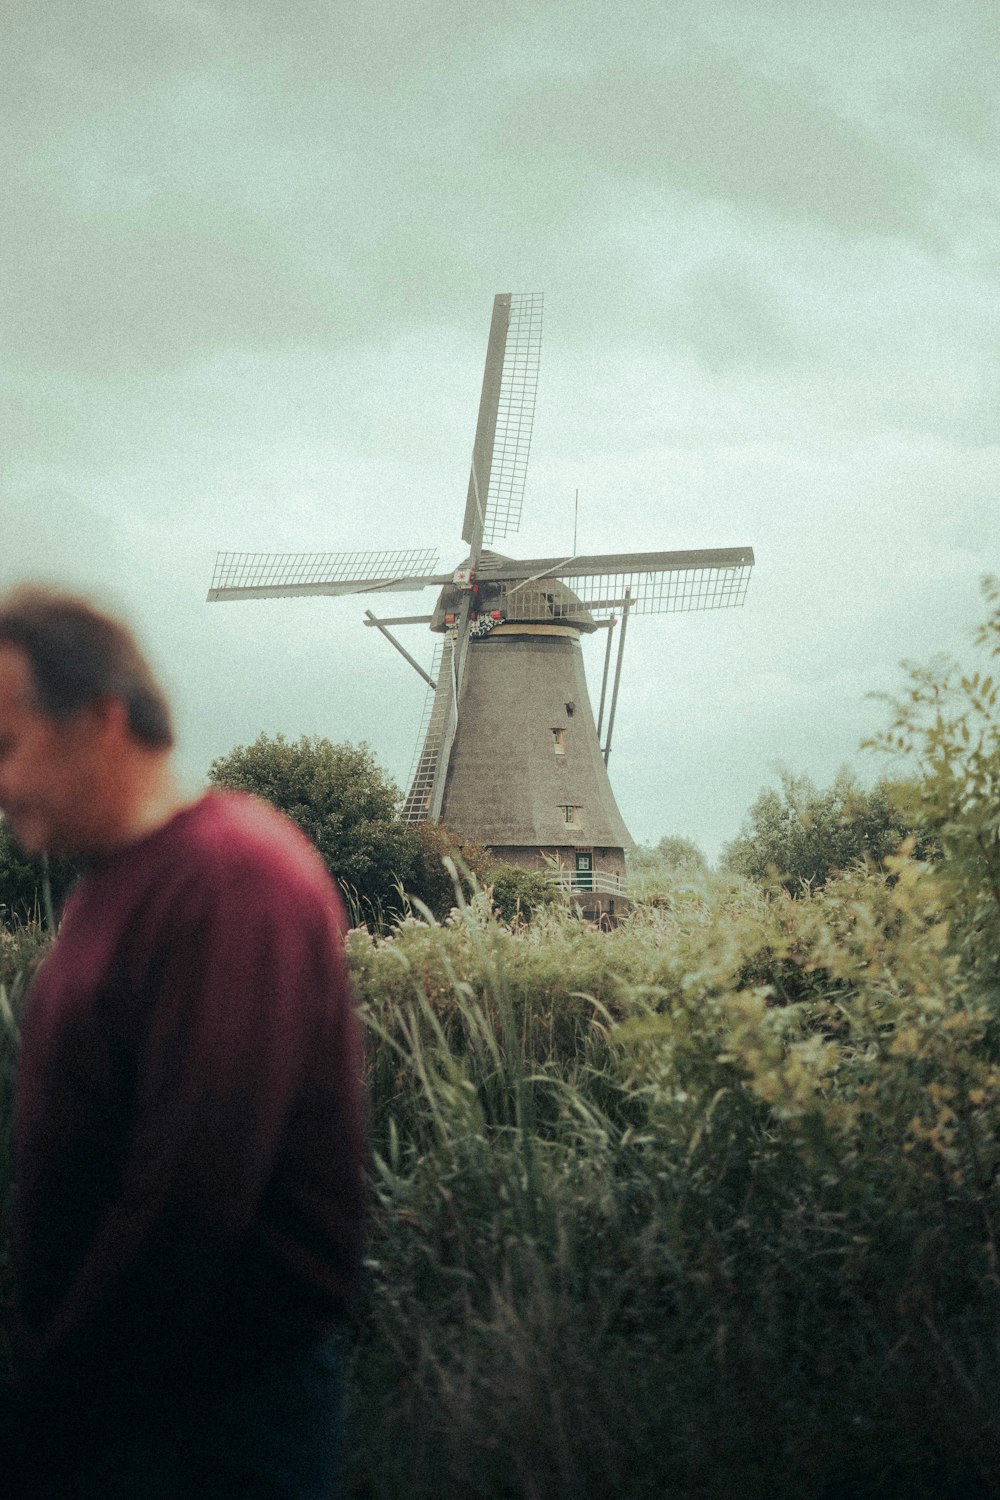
(657, 874)
(680, 853)
(802, 835)
(431, 881)
(342, 800)
(672, 855)
(947, 724)
(519, 893)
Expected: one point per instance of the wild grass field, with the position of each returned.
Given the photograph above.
(706, 1206)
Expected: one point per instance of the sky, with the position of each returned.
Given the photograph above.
(248, 255)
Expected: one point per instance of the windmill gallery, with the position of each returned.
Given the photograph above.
(510, 754)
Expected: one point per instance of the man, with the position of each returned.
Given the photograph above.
(188, 1139)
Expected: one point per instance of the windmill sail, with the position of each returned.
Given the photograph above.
(590, 588)
(289, 575)
(496, 485)
(506, 415)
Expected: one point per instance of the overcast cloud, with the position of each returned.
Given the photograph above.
(249, 254)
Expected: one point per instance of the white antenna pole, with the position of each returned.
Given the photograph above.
(576, 514)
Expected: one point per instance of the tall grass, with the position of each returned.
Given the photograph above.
(705, 1206)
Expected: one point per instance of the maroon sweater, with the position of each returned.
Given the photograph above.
(188, 1120)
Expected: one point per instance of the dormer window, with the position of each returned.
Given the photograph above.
(571, 815)
(559, 741)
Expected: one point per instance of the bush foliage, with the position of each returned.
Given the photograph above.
(348, 807)
(946, 722)
(342, 800)
(518, 894)
(21, 889)
(657, 873)
(672, 853)
(801, 835)
(432, 881)
(645, 1228)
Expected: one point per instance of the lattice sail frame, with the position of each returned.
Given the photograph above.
(243, 573)
(515, 416)
(599, 595)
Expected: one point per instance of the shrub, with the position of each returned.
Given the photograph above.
(431, 881)
(671, 854)
(518, 894)
(946, 721)
(21, 893)
(672, 869)
(342, 800)
(801, 836)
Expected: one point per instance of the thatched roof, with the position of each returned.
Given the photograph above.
(506, 784)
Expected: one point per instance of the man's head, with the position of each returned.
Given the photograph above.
(80, 713)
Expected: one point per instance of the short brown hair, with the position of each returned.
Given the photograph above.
(77, 655)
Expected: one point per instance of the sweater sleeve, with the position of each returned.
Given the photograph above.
(245, 1022)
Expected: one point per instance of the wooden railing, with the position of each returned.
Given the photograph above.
(597, 882)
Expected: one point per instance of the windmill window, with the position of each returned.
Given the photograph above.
(572, 814)
(559, 741)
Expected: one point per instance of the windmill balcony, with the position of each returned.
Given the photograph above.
(599, 882)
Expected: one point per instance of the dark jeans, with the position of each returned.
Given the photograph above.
(258, 1430)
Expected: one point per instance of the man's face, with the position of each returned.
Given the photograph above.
(47, 765)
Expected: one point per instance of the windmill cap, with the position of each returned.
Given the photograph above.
(539, 601)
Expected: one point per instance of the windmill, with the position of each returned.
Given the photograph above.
(510, 754)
